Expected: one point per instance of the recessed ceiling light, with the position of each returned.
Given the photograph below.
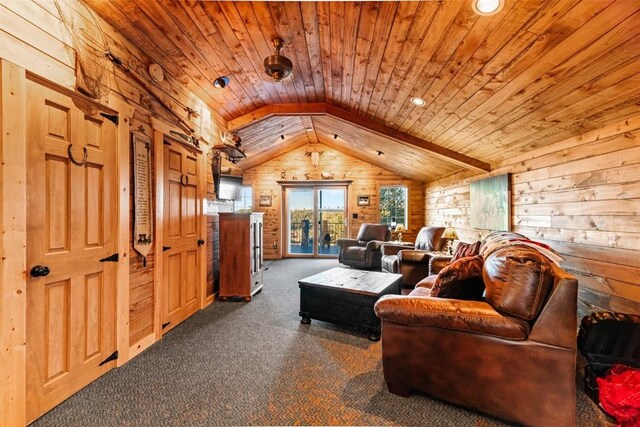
(418, 101)
(309, 129)
(487, 7)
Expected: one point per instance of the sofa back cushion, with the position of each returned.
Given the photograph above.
(430, 239)
(462, 279)
(517, 280)
(373, 232)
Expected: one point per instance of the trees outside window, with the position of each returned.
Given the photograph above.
(245, 204)
(393, 204)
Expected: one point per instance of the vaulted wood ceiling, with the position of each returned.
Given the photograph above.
(535, 73)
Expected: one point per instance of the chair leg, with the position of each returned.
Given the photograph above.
(399, 389)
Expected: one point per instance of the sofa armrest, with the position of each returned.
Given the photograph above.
(465, 316)
(414, 255)
(345, 243)
(438, 262)
(394, 248)
(373, 245)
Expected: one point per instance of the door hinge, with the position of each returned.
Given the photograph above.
(110, 258)
(113, 356)
(164, 325)
(111, 117)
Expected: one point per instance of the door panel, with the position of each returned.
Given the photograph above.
(182, 219)
(71, 226)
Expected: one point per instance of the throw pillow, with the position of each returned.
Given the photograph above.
(461, 279)
(464, 250)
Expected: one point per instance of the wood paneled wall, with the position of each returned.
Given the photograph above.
(32, 36)
(297, 166)
(582, 197)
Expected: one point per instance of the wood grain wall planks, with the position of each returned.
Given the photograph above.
(34, 37)
(581, 197)
(366, 181)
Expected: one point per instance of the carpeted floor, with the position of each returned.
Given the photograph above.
(238, 363)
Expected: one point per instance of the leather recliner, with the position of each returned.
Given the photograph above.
(364, 251)
(511, 356)
(413, 261)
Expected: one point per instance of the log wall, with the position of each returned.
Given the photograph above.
(33, 37)
(365, 178)
(582, 197)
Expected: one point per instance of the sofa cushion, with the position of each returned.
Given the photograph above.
(462, 279)
(464, 250)
(430, 239)
(518, 280)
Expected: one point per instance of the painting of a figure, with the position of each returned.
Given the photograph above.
(490, 203)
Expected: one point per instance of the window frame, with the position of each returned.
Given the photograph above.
(250, 198)
(406, 202)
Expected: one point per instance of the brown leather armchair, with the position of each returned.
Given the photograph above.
(364, 251)
(413, 261)
(511, 356)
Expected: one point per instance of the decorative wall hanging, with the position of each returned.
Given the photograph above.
(143, 218)
(264, 201)
(363, 200)
(490, 203)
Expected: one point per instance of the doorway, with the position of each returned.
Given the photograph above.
(182, 230)
(315, 218)
(71, 248)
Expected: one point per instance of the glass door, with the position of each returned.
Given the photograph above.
(330, 214)
(315, 220)
(300, 220)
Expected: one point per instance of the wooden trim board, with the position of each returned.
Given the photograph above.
(13, 217)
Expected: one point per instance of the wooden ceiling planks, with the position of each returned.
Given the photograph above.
(533, 74)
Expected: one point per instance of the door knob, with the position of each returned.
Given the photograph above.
(200, 242)
(39, 271)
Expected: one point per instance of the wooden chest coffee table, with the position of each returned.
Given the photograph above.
(346, 296)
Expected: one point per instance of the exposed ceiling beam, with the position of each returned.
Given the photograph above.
(308, 124)
(317, 109)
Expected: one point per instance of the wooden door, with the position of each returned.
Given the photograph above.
(71, 227)
(182, 234)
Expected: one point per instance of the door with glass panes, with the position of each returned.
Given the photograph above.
(315, 219)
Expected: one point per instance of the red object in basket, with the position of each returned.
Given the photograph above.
(619, 393)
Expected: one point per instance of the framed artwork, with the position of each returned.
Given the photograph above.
(363, 200)
(491, 203)
(264, 201)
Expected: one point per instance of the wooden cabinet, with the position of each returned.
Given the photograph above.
(240, 255)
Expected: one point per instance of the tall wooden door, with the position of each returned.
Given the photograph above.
(182, 234)
(71, 318)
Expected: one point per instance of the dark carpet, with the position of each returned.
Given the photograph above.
(238, 363)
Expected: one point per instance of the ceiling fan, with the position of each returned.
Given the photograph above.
(278, 66)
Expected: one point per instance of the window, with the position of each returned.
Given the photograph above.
(393, 204)
(245, 204)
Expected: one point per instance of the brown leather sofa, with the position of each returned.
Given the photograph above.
(364, 250)
(512, 355)
(413, 261)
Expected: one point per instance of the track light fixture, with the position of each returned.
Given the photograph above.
(335, 136)
(282, 137)
(380, 153)
(221, 82)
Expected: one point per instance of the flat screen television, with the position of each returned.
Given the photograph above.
(230, 188)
